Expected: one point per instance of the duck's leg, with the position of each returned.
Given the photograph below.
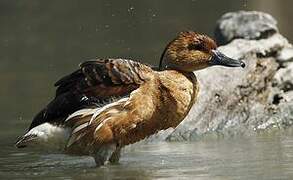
(103, 154)
(114, 159)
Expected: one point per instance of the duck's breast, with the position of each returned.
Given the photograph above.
(183, 90)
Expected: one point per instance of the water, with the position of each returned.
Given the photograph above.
(264, 156)
(40, 41)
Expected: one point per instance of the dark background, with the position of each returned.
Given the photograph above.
(40, 41)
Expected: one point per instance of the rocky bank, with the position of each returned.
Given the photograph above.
(243, 101)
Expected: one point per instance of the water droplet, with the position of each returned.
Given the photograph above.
(80, 28)
(130, 9)
(244, 3)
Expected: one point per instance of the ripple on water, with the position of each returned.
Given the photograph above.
(257, 157)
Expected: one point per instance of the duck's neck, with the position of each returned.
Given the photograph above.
(192, 77)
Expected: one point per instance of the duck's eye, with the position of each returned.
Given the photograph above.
(198, 47)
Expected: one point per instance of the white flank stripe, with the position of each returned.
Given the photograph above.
(81, 113)
(98, 111)
(80, 127)
(101, 124)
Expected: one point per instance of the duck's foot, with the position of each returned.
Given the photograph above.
(107, 154)
(114, 159)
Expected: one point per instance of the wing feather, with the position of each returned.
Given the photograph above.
(95, 82)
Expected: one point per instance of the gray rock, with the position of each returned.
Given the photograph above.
(245, 25)
(285, 56)
(284, 78)
(244, 101)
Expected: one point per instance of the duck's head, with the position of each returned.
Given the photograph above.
(191, 51)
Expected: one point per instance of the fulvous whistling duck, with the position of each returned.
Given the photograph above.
(109, 103)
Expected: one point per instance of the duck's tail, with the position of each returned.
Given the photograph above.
(51, 118)
(21, 141)
(45, 136)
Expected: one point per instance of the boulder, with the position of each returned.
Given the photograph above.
(245, 25)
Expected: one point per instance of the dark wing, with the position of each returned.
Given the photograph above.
(103, 78)
(95, 82)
